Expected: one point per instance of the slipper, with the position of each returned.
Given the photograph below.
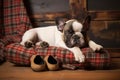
(37, 63)
(51, 62)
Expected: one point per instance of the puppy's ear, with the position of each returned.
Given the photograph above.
(86, 23)
(60, 22)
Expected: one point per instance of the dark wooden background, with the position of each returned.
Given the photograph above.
(98, 5)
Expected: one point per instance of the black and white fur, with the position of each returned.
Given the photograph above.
(70, 37)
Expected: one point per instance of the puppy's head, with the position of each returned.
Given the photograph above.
(73, 31)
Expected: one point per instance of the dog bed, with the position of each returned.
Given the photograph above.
(20, 55)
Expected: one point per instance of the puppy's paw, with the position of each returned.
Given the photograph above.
(43, 44)
(29, 44)
(79, 57)
(94, 46)
(98, 47)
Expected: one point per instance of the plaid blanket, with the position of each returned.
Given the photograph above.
(20, 55)
(13, 23)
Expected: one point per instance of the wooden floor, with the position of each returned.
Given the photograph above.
(10, 72)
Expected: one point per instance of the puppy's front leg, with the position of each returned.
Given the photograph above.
(78, 54)
(76, 51)
(94, 46)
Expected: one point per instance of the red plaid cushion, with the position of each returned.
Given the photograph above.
(18, 54)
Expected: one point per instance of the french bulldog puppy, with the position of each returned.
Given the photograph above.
(71, 35)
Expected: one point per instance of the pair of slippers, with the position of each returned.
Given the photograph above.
(40, 64)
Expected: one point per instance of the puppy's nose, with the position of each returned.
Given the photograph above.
(76, 37)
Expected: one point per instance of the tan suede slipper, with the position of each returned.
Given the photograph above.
(51, 62)
(37, 63)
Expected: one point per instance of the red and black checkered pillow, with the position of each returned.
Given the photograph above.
(20, 55)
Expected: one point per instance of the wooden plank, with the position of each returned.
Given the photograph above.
(117, 60)
(115, 63)
(101, 14)
(10, 72)
(38, 19)
(49, 16)
(105, 15)
(115, 55)
(114, 52)
(103, 5)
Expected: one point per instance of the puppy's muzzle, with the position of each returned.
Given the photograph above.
(77, 40)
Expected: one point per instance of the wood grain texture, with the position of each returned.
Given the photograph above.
(10, 72)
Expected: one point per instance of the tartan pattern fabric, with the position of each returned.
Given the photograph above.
(2, 56)
(18, 54)
(97, 60)
(13, 23)
(16, 20)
